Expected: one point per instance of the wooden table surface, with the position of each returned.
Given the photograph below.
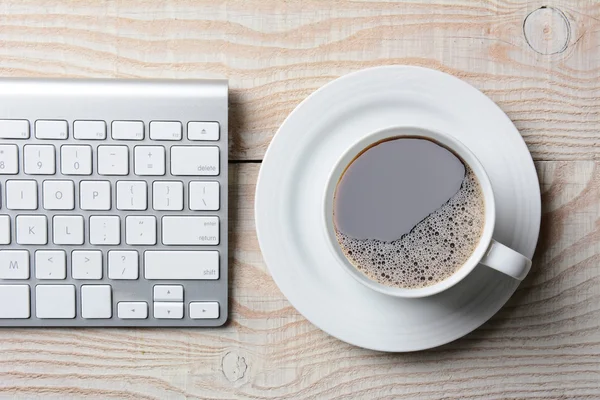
(538, 60)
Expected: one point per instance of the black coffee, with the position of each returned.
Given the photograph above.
(408, 212)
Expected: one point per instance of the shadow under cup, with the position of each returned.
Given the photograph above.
(460, 153)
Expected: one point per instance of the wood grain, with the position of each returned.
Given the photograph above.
(537, 60)
(545, 344)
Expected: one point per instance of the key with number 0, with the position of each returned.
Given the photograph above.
(76, 160)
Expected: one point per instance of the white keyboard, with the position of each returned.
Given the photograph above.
(113, 203)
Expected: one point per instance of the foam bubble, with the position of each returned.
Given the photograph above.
(432, 251)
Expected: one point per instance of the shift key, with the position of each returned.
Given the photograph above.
(190, 230)
(181, 265)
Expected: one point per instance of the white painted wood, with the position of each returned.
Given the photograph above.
(541, 70)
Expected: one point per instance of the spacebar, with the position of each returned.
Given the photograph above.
(181, 264)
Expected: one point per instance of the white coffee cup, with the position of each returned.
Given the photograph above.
(488, 252)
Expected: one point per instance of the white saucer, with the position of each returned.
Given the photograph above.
(292, 181)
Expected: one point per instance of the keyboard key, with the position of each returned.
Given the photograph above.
(9, 159)
(140, 230)
(204, 196)
(105, 230)
(190, 230)
(32, 229)
(76, 160)
(14, 129)
(86, 264)
(39, 160)
(96, 301)
(14, 264)
(59, 195)
(113, 160)
(50, 264)
(4, 229)
(89, 130)
(14, 301)
(123, 264)
(168, 293)
(167, 196)
(204, 310)
(203, 130)
(183, 265)
(21, 195)
(149, 160)
(68, 229)
(165, 130)
(51, 129)
(128, 130)
(196, 160)
(132, 310)
(168, 310)
(55, 301)
(132, 195)
(94, 195)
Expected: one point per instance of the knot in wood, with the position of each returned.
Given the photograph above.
(547, 31)
(234, 366)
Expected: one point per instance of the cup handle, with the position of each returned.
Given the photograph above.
(506, 260)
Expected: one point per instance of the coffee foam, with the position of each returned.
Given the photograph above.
(432, 251)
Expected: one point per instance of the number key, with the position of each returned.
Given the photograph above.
(39, 160)
(9, 159)
(76, 160)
